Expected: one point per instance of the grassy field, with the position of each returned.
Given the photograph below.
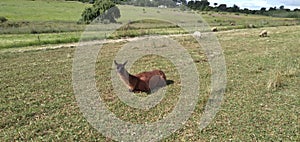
(37, 100)
(37, 103)
(53, 20)
(41, 10)
(30, 19)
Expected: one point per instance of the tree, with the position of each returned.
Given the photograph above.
(88, 15)
(101, 10)
(246, 10)
(272, 9)
(184, 2)
(215, 4)
(235, 8)
(199, 5)
(191, 4)
(205, 4)
(222, 7)
(111, 14)
(263, 9)
(281, 7)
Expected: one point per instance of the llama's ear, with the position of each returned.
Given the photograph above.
(125, 63)
(115, 62)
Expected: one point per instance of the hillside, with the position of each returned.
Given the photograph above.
(52, 22)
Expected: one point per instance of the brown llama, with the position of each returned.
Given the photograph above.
(142, 82)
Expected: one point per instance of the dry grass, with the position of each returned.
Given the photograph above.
(275, 81)
(38, 103)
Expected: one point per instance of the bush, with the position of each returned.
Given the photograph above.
(183, 8)
(102, 10)
(3, 19)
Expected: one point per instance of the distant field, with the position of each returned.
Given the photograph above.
(261, 101)
(27, 18)
(23, 40)
(227, 21)
(41, 10)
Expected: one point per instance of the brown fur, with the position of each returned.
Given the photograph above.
(142, 82)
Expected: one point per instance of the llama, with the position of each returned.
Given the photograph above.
(142, 82)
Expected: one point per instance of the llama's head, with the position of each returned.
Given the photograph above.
(120, 67)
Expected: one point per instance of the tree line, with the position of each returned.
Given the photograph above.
(204, 5)
(108, 12)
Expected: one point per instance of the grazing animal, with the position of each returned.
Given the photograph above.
(142, 82)
(197, 34)
(214, 29)
(263, 33)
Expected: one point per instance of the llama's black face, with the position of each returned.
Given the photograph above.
(120, 67)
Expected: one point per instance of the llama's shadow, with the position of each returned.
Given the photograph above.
(169, 82)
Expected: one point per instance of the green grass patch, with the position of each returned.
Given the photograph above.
(41, 10)
(22, 40)
(38, 103)
(26, 27)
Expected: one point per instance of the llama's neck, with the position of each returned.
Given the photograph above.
(126, 77)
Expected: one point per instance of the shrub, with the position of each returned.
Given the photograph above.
(183, 8)
(101, 10)
(3, 19)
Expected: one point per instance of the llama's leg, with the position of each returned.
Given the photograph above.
(132, 88)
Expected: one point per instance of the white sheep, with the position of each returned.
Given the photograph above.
(214, 29)
(263, 33)
(197, 34)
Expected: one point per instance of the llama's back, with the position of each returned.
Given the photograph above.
(146, 76)
(162, 74)
(154, 79)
